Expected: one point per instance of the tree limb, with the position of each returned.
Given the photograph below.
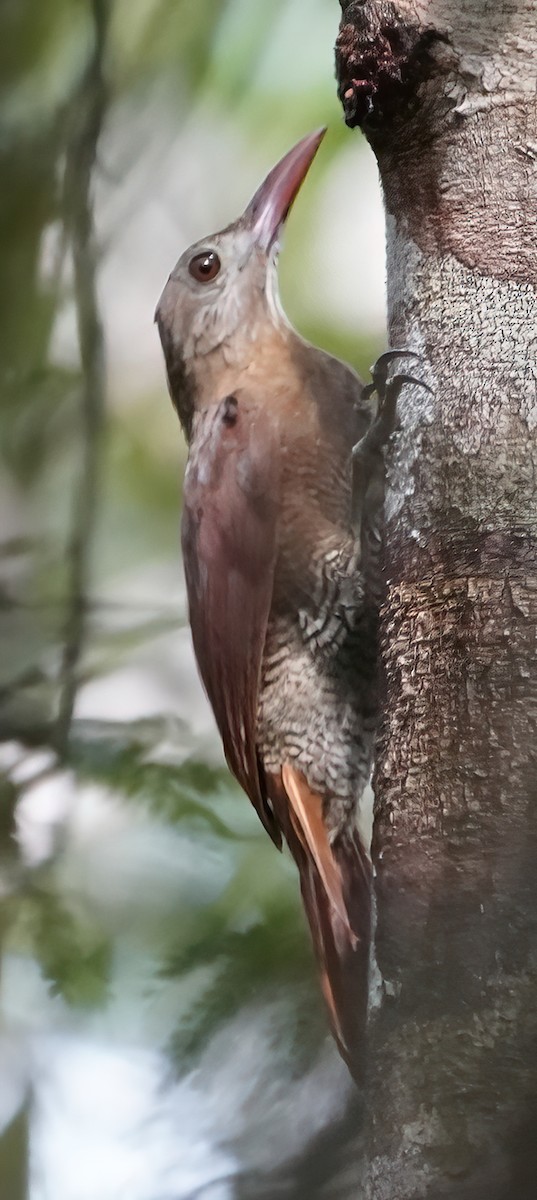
(89, 109)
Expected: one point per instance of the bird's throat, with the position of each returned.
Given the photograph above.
(248, 360)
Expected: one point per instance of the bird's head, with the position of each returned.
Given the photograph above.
(226, 283)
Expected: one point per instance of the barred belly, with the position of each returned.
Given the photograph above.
(318, 706)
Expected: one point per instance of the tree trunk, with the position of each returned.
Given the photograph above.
(445, 91)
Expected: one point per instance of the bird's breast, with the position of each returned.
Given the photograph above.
(318, 694)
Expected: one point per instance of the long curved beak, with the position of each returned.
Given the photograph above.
(272, 201)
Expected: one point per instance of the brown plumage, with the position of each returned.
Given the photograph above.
(283, 590)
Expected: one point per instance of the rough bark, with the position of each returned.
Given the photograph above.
(445, 92)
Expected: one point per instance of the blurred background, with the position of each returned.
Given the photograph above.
(161, 1032)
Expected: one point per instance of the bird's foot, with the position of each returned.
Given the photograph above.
(365, 452)
(388, 390)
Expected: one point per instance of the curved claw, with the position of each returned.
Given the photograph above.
(401, 379)
(379, 370)
(379, 373)
(368, 390)
(384, 423)
(388, 395)
(388, 356)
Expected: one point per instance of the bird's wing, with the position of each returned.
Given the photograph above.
(229, 536)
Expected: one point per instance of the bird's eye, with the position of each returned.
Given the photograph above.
(204, 266)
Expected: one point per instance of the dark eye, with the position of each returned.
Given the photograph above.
(204, 266)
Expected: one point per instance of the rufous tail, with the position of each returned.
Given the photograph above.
(335, 880)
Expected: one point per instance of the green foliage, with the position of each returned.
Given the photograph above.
(191, 793)
(73, 953)
(263, 962)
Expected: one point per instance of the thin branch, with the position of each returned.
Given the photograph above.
(89, 108)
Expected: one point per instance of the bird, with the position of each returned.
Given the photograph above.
(281, 536)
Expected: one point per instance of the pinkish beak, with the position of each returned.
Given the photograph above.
(272, 201)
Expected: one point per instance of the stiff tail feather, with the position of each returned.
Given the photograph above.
(335, 880)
